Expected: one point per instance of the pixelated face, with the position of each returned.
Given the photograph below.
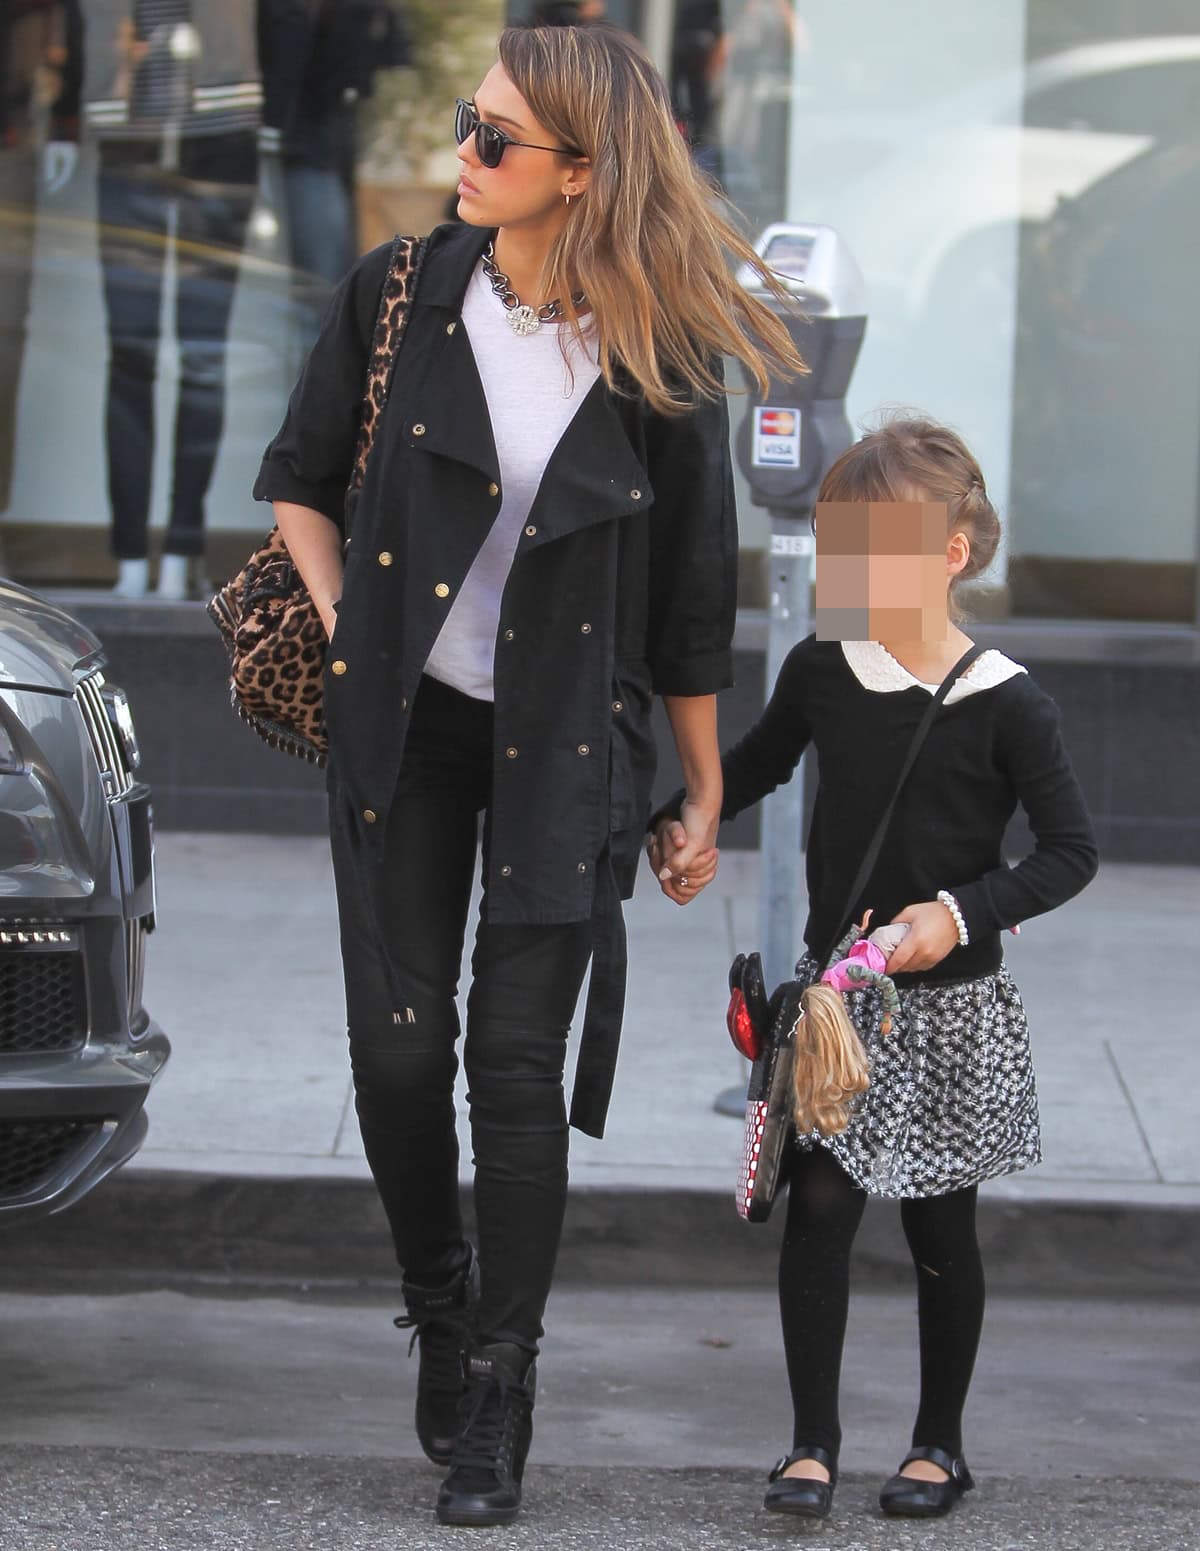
(881, 570)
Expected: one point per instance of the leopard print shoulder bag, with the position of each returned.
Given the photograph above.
(270, 625)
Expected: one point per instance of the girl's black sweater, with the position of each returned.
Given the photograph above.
(984, 754)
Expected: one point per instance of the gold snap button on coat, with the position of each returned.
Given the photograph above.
(618, 705)
(635, 495)
(493, 488)
(582, 867)
(338, 667)
(530, 531)
(510, 635)
(511, 753)
(442, 590)
(506, 872)
(370, 815)
(418, 429)
(585, 629)
(450, 327)
(584, 748)
(385, 557)
(404, 702)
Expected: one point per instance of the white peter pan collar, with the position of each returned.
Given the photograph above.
(876, 669)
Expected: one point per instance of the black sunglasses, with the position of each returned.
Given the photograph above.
(491, 142)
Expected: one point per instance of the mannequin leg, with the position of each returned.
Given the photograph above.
(215, 204)
(16, 246)
(132, 226)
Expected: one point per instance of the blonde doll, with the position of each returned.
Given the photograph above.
(830, 1065)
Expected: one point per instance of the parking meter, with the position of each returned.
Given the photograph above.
(787, 441)
(785, 445)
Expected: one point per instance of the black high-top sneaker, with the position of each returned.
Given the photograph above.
(484, 1484)
(440, 1319)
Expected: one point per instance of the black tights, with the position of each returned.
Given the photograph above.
(824, 1210)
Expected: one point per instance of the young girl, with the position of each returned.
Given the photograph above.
(545, 538)
(951, 1099)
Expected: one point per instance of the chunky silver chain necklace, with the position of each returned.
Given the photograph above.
(522, 318)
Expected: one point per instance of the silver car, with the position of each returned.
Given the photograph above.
(78, 1051)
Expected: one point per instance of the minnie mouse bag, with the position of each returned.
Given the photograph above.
(765, 1033)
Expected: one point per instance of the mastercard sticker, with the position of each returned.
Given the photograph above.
(776, 438)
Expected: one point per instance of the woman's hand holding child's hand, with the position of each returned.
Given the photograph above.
(931, 935)
(682, 854)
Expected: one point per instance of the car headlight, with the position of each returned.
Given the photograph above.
(122, 719)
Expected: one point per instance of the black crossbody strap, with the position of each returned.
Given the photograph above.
(867, 866)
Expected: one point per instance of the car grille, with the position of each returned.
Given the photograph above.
(33, 1151)
(106, 745)
(43, 1003)
(135, 964)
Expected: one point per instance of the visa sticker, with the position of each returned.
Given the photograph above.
(776, 438)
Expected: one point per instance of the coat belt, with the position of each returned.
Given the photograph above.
(601, 1035)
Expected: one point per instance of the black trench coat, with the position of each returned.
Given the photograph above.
(623, 586)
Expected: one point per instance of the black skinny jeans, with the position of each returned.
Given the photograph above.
(525, 981)
(825, 1208)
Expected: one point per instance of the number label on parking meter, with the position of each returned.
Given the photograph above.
(776, 438)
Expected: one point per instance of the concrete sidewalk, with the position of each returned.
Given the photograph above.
(253, 1133)
(244, 975)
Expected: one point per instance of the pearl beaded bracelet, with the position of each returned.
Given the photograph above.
(951, 904)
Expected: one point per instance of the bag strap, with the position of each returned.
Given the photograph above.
(867, 866)
(395, 303)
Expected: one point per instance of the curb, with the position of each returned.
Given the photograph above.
(147, 1227)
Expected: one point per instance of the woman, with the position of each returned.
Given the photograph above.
(544, 540)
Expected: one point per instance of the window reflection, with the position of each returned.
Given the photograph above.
(177, 199)
(36, 46)
(732, 81)
(183, 181)
(1019, 185)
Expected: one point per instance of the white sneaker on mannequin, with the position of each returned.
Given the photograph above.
(173, 577)
(133, 579)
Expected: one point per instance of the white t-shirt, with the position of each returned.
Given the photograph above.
(532, 395)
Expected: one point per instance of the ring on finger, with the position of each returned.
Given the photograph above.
(683, 883)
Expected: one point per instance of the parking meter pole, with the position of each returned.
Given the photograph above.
(781, 894)
(780, 890)
(785, 444)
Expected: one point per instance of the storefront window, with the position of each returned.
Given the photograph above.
(182, 181)
(181, 184)
(1018, 182)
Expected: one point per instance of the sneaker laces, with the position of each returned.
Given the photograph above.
(488, 1410)
(442, 1337)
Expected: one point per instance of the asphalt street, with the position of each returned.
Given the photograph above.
(170, 1420)
(201, 1354)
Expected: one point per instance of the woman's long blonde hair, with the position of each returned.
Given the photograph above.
(646, 244)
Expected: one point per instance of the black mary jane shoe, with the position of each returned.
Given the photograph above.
(801, 1495)
(906, 1497)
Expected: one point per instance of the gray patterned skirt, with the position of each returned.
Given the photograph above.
(952, 1099)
